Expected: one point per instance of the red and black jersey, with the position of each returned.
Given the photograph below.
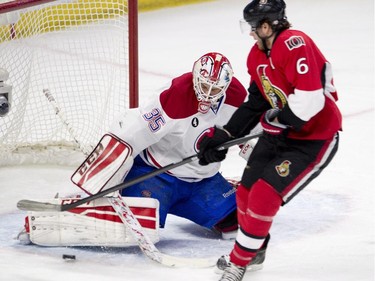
(296, 78)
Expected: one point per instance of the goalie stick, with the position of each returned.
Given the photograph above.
(127, 216)
(65, 122)
(147, 246)
(30, 205)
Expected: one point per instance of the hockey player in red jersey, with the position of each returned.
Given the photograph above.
(292, 95)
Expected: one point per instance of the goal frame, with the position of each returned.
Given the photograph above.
(132, 90)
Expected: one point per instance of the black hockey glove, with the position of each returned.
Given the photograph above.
(273, 129)
(207, 152)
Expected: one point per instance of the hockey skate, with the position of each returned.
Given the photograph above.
(233, 273)
(255, 264)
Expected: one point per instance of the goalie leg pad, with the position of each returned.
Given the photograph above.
(93, 224)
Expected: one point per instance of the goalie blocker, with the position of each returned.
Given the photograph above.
(106, 166)
(94, 224)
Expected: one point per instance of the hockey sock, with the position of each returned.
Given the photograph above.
(263, 202)
(242, 195)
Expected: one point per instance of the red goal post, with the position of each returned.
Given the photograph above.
(85, 52)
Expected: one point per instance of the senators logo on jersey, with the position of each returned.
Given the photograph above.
(275, 96)
(283, 169)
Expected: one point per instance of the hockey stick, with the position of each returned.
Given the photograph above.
(127, 217)
(145, 243)
(65, 122)
(30, 205)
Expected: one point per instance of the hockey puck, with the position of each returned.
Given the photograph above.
(69, 257)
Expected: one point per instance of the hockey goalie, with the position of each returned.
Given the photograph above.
(164, 130)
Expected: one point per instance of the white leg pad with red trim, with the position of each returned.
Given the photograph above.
(92, 224)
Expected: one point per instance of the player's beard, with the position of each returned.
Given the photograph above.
(260, 44)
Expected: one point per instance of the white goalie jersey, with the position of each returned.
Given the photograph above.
(164, 130)
(168, 127)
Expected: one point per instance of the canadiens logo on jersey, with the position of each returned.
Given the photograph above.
(207, 132)
(294, 42)
(275, 96)
(283, 169)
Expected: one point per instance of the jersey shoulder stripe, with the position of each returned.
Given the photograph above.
(179, 100)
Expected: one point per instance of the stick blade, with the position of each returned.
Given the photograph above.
(30, 205)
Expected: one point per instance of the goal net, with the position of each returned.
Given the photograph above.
(72, 65)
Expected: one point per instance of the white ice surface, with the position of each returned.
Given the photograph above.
(325, 233)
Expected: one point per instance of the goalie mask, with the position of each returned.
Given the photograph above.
(212, 74)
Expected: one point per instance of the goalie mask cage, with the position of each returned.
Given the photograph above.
(85, 53)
